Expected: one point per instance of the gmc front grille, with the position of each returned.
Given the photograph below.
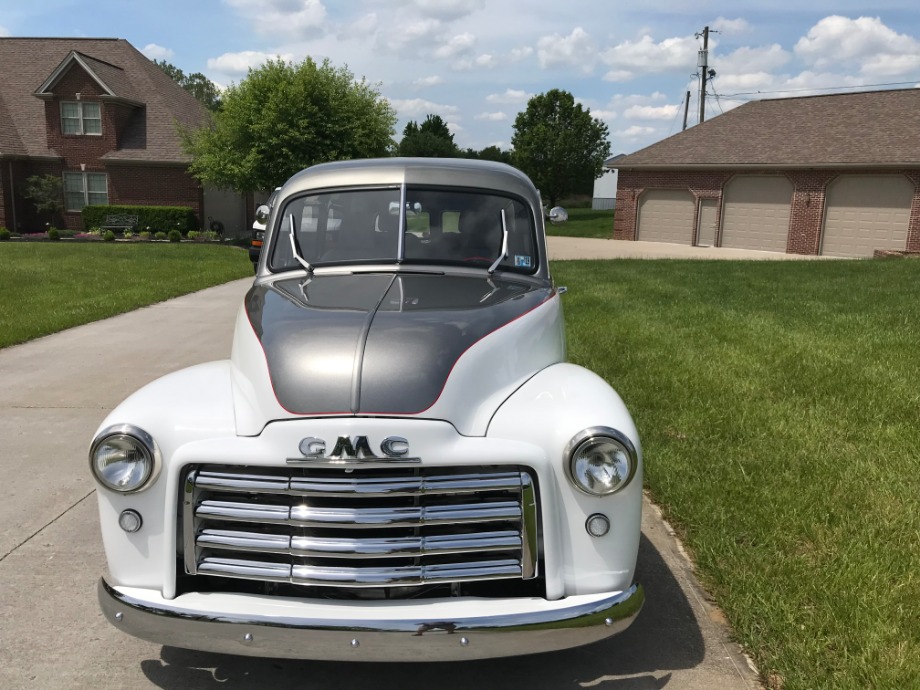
(363, 528)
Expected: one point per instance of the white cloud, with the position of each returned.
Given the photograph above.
(650, 112)
(4, 31)
(458, 45)
(605, 115)
(427, 82)
(415, 107)
(455, 128)
(632, 58)
(448, 9)
(295, 18)
(484, 61)
(493, 117)
(242, 62)
(151, 50)
(575, 50)
(510, 96)
(742, 60)
(518, 54)
(634, 132)
(836, 42)
(362, 27)
(731, 26)
(411, 38)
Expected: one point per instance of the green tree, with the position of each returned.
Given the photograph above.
(284, 117)
(559, 145)
(196, 84)
(493, 153)
(45, 191)
(431, 139)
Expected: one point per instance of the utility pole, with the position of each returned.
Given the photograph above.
(704, 72)
(686, 108)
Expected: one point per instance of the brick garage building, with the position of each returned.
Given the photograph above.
(836, 175)
(101, 117)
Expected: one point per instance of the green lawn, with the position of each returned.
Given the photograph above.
(49, 286)
(584, 222)
(779, 409)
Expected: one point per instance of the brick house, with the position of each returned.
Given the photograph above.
(837, 175)
(102, 117)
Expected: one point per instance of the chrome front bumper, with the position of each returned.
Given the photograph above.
(569, 623)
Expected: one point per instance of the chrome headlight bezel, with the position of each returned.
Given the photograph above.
(600, 434)
(142, 442)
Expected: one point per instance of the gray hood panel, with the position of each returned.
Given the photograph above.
(376, 343)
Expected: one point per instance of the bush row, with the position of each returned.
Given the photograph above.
(152, 218)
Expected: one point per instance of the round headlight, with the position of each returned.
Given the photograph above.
(601, 461)
(123, 458)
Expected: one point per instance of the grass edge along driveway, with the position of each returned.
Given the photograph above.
(778, 405)
(49, 286)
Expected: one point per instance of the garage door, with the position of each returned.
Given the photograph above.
(756, 212)
(865, 213)
(666, 215)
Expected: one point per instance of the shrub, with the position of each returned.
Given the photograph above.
(127, 233)
(144, 235)
(4, 234)
(160, 235)
(109, 236)
(175, 235)
(211, 236)
(54, 234)
(193, 234)
(181, 218)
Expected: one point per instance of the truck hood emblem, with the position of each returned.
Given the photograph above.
(350, 450)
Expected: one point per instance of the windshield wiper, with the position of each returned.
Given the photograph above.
(504, 253)
(295, 249)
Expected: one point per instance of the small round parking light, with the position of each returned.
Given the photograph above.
(130, 520)
(597, 525)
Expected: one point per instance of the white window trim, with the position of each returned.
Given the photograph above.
(80, 119)
(67, 209)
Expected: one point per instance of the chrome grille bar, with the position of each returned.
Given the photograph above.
(360, 577)
(255, 542)
(367, 486)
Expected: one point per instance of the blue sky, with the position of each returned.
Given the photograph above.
(476, 63)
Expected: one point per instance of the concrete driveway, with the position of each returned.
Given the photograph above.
(563, 248)
(54, 393)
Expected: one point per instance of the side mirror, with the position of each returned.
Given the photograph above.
(558, 215)
(262, 213)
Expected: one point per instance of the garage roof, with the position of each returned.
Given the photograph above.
(869, 128)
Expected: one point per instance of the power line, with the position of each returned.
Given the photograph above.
(822, 88)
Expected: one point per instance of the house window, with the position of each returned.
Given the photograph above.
(81, 117)
(85, 189)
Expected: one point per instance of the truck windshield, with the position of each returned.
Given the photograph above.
(441, 226)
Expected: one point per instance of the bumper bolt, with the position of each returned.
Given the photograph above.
(464, 641)
(355, 643)
(608, 622)
(247, 638)
(119, 616)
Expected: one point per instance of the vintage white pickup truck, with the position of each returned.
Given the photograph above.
(396, 463)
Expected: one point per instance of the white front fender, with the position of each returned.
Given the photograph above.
(549, 411)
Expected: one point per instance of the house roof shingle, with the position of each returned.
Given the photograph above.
(127, 74)
(870, 128)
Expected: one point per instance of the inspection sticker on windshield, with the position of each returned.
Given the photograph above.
(522, 260)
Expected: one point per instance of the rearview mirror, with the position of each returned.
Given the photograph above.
(262, 213)
(412, 208)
